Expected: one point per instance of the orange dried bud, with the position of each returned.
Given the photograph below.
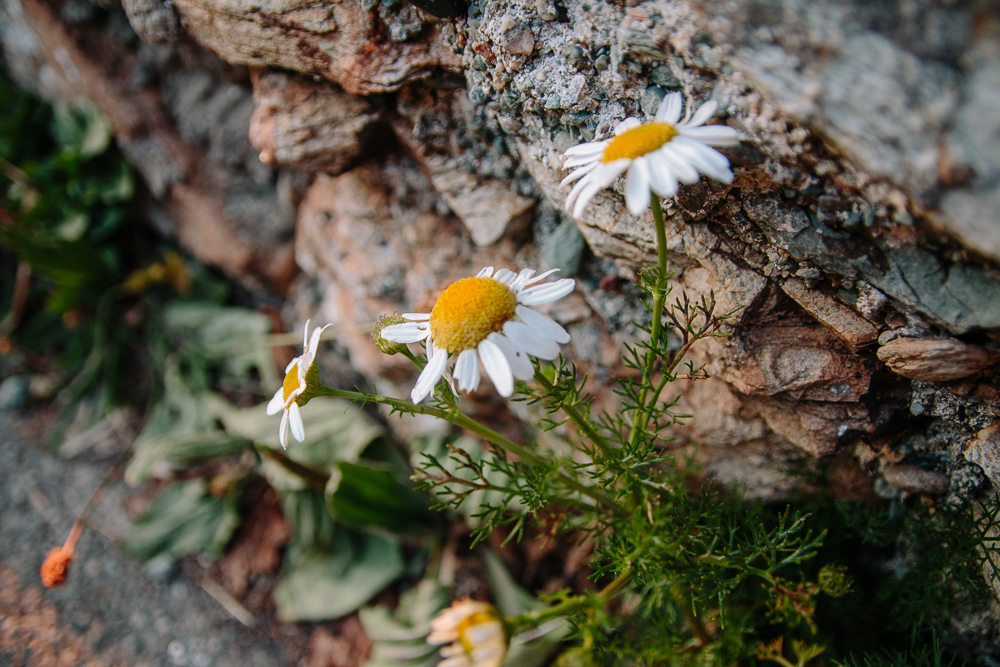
(55, 569)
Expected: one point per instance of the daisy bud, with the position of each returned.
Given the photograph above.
(387, 346)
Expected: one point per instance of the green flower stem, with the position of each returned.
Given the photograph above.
(310, 476)
(458, 419)
(659, 297)
(586, 426)
(576, 603)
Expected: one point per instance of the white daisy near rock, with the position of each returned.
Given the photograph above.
(474, 633)
(296, 382)
(486, 319)
(656, 156)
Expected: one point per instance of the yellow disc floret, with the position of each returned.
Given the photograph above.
(291, 383)
(469, 311)
(638, 141)
(479, 628)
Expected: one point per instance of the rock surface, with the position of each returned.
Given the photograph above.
(339, 41)
(306, 125)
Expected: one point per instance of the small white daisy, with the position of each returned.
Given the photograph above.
(289, 397)
(486, 319)
(474, 633)
(658, 155)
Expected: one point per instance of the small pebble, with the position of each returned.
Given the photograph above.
(664, 77)
(12, 392)
(651, 98)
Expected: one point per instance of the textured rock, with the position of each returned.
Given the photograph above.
(794, 361)
(433, 128)
(307, 125)
(154, 21)
(914, 479)
(854, 331)
(338, 41)
(815, 427)
(959, 297)
(933, 360)
(984, 451)
(929, 122)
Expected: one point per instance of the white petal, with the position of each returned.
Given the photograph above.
(581, 160)
(598, 179)
(670, 109)
(520, 365)
(315, 338)
(305, 335)
(714, 135)
(661, 176)
(684, 170)
(467, 370)
(283, 430)
(505, 276)
(291, 364)
(430, 376)
(637, 187)
(526, 338)
(407, 332)
(703, 114)
(627, 125)
(705, 158)
(539, 294)
(417, 317)
(579, 173)
(277, 402)
(485, 273)
(522, 279)
(496, 367)
(541, 276)
(590, 148)
(295, 421)
(543, 324)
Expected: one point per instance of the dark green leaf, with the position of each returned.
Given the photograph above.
(367, 496)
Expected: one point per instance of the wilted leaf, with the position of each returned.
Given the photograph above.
(184, 518)
(161, 456)
(185, 413)
(232, 337)
(400, 636)
(367, 496)
(323, 584)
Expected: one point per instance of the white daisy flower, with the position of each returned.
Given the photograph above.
(657, 155)
(474, 633)
(486, 319)
(298, 375)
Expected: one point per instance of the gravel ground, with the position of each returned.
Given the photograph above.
(113, 610)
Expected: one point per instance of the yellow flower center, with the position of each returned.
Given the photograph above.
(638, 141)
(291, 383)
(469, 311)
(479, 618)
